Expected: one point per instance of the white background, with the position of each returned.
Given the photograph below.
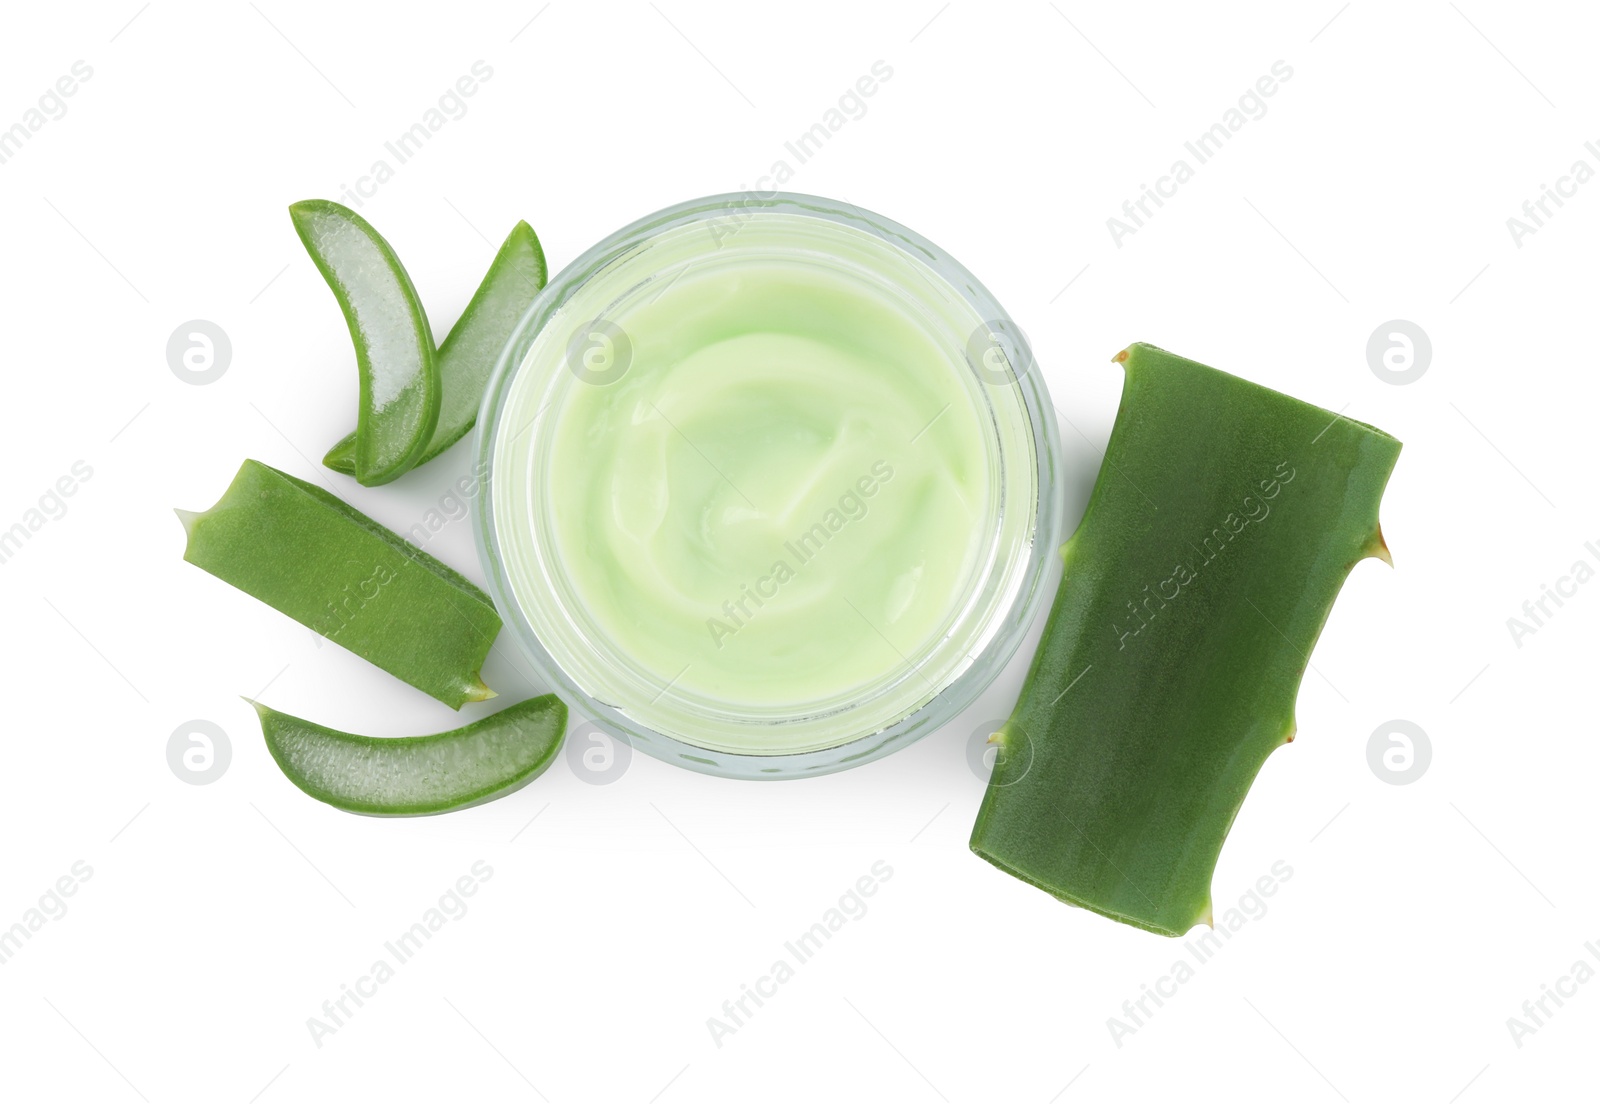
(219, 918)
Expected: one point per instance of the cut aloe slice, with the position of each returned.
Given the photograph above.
(395, 359)
(473, 345)
(315, 558)
(417, 776)
(1223, 522)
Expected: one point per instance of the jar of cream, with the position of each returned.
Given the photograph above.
(772, 485)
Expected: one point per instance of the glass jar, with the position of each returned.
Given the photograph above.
(696, 393)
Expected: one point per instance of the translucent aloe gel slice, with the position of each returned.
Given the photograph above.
(473, 345)
(417, 776)
(395, 358)
(1223, 522)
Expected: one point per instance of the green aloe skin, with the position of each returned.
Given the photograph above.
(473, 346)
(318, 560)
(395, 359)
(1221, 527)
(428, 775)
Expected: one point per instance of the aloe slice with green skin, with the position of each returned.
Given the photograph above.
(473, 345)
(429, 775)
(1224, 521)
(395, 359)
(321, 562)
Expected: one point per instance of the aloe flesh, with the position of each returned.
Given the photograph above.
(1223, 522)
(427, 775)
(395, 359)
(318, 560)
(473, 346)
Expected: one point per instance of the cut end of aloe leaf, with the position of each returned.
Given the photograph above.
(478, 691)
(342, 457)
(310, 555)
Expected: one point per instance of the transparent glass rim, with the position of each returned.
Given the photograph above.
(1006, 627)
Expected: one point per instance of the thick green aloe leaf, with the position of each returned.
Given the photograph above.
(320, 561)
(417, 776)
(473, 345)
(395, 358)
(1224, 521)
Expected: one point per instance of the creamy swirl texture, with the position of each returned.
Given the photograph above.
(783, 495)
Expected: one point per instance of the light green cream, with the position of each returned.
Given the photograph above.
(778, 500)
(747, 485)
